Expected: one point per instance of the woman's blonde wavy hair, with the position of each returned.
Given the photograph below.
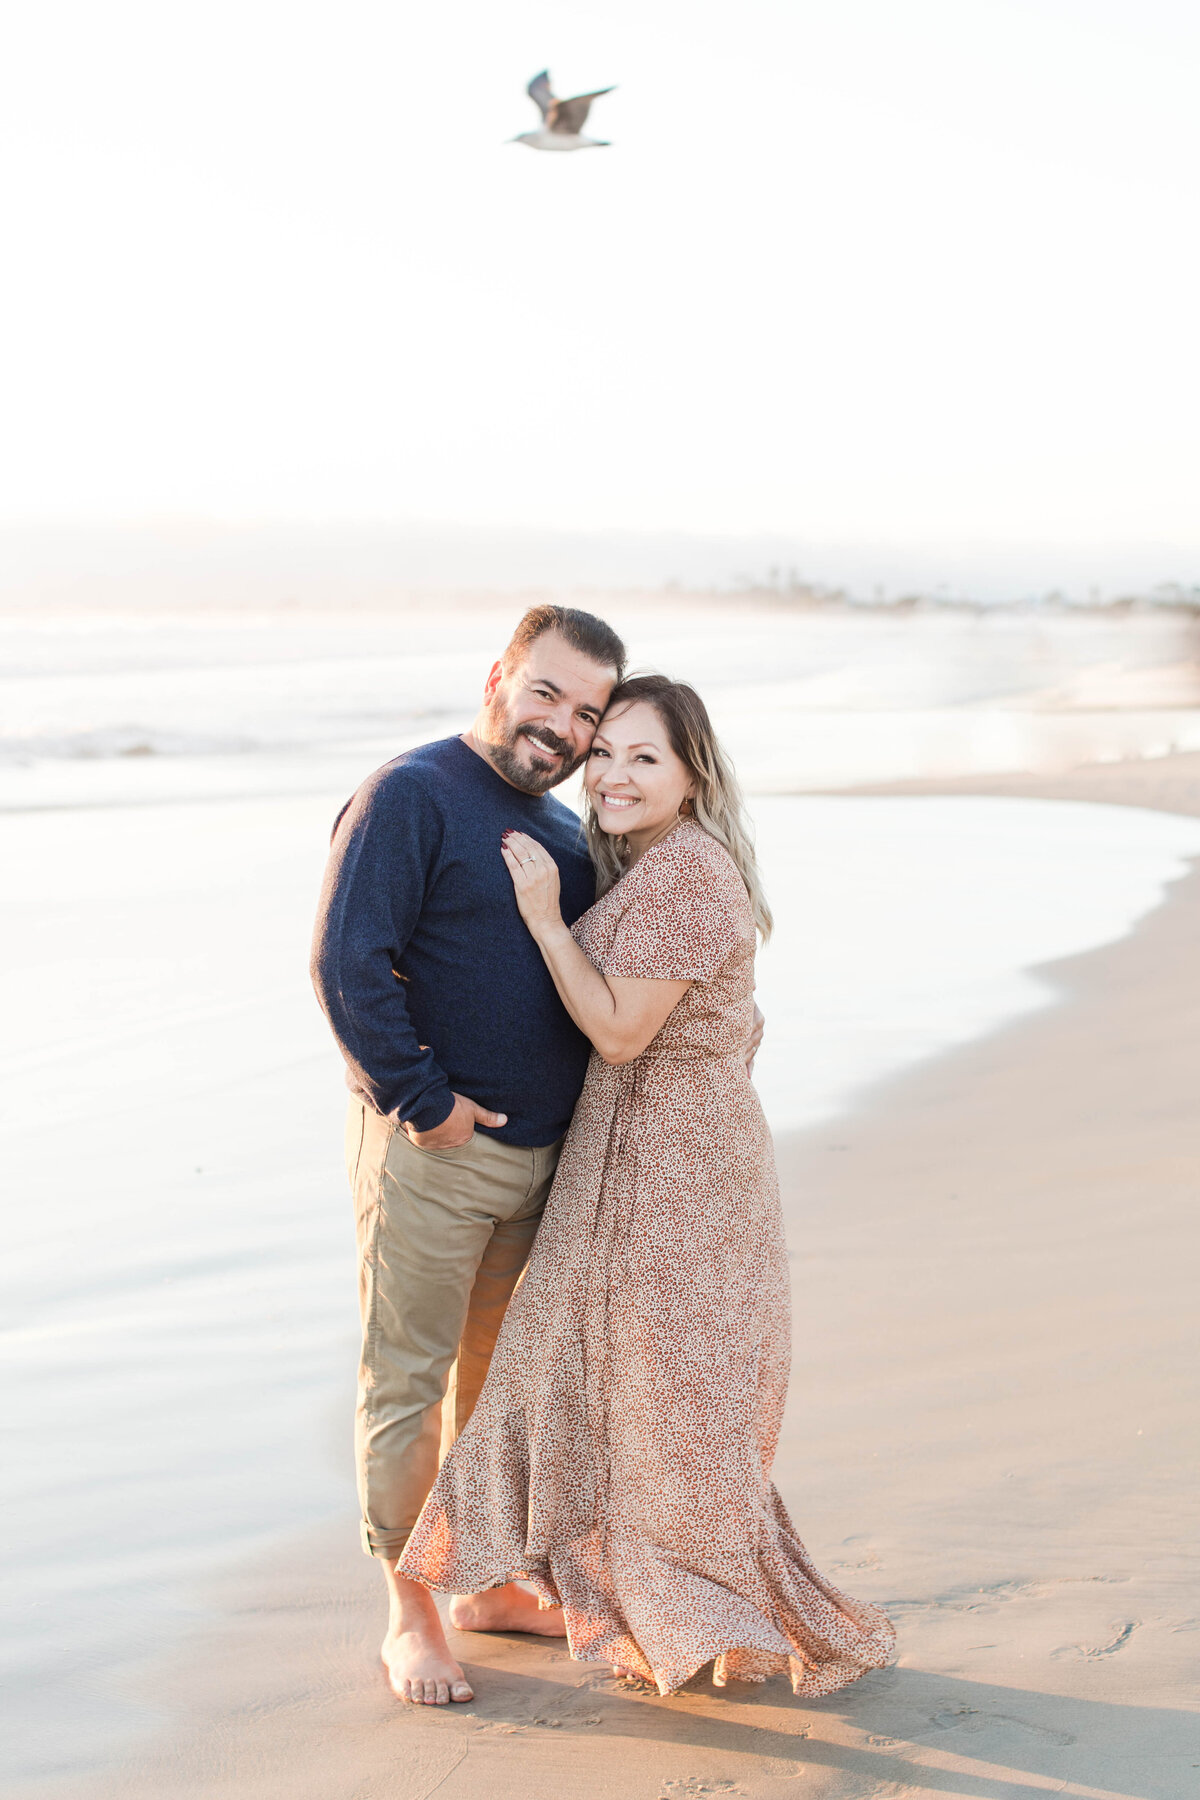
(717, 805)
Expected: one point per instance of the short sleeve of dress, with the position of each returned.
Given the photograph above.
(679, 925)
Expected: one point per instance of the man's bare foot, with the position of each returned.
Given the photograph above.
(415, 1654)
(508, 1608)
(419, 1672)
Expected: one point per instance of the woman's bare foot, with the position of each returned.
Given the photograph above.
(508, 1608)
(415, 1654)
(621, 1673)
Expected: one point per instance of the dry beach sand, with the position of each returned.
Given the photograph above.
(991, 1431)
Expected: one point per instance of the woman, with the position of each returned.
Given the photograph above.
(619, 1457)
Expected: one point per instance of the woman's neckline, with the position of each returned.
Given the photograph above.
(679, 825)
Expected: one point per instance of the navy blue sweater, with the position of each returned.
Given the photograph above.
(421, 961)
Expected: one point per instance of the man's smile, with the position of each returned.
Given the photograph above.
(541, 743)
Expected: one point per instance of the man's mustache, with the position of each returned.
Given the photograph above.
(548, 739)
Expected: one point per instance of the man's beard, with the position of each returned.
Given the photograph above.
(541, 774)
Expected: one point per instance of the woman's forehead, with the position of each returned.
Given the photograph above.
(632, 721)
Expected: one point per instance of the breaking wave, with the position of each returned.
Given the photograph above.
(102, 742)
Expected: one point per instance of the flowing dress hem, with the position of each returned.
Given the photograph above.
(789, 1665)
(796, 1666)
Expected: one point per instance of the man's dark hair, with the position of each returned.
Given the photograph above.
(582, 630)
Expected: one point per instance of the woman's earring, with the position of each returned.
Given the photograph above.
(686, 808)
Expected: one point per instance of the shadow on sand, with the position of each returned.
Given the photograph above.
(901, 1731)
(281, 1697)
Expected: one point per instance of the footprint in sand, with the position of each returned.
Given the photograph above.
(1123, 1630)
(997, 1593)
(694, 1785)
(867, 1557)
(968, 1718)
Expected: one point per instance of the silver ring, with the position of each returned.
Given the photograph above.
(528, 859)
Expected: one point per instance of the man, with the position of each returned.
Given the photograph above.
(464, 1069)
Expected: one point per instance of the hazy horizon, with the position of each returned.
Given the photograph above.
(336, 562)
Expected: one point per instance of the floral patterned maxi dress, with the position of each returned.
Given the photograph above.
(619, 1456)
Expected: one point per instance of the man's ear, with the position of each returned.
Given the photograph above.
(492, 683)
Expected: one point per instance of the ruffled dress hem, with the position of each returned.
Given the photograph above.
(595, 1635)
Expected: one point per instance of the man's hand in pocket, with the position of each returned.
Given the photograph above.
(458, 1128)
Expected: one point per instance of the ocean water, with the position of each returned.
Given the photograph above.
(179, 1309)
(99, 706)
(909, 926)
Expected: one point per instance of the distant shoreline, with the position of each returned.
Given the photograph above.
(1159, 784)
(1165, 602)
(369, 564)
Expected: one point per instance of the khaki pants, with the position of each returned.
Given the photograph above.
(443, 1236)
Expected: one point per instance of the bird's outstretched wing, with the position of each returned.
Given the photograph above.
(571, 115)
(539, 92)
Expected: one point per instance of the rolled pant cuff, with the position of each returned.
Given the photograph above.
(387, 1544)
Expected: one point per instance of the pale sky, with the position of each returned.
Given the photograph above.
(920, 271)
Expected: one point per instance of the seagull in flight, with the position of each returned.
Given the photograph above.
(562, 120)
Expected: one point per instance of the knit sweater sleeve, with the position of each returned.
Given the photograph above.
(384, 854)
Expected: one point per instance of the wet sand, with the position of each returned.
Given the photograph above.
(991, 1432)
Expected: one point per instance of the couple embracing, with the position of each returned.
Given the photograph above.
(548, 1032)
